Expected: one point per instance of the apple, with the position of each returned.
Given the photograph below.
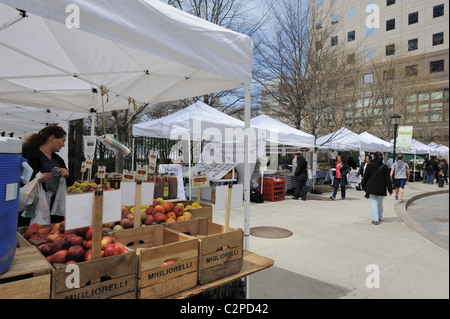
(178, 210)
(149, 210)
(45, 249)
(168, 206)
(130, 216)
(123, 249)
(159, 217)
(107, 240)
(88, 235)
(88, 255)
(34, 226)
(143, 217)
(149, 220)
(59, 257)
(181, 218)
(57, 246)
(158, 209)
(156, 203)
(74, 241)
(75, 253)
(43, 231)
(171, 215)
(30, 233)
(126, 223)
(71, 262)
(112, 250)
(87, 244)
(188, 215)
(82, 231)
(117, 227)
(167, 262)
(170, 220)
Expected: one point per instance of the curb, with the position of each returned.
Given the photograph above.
(401, 210)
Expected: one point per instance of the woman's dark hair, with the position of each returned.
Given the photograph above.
(38, 139)
(370, 157)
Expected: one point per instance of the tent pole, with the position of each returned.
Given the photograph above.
(190, 174)
(247, 177)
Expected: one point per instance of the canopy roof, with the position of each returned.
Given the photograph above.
(189, 123)
(281, 133)
(342, 140)
(438, 149)
(143, 49)
(23, 120)
(374, 143)
(416, 148)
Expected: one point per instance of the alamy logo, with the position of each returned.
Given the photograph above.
(373, 19)
(73, 19)
(373, 280)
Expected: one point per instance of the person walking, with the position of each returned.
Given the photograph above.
(444, 169)
(432, 167)
(362, 170)
(376, 181)
(340, 177)
(40, 151)
(399, 175)
(301, 177)
(424, 171)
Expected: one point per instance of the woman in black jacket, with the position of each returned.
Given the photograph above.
(301, 176)
(40, 151)
(375, 182)
(340, 177)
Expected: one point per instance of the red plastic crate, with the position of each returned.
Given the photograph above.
(273, 188)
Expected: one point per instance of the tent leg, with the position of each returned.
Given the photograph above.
(247, 177)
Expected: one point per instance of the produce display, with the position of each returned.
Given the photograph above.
(69, 246)
(159, 212)
(86, 186)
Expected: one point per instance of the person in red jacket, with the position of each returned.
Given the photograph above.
(375, 182)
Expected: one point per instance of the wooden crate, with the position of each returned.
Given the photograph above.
(205, 212)
(220, 253)
(29, 276)
(155, 245)
(117, 276)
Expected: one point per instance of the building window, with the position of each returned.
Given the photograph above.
(368, 78)
(437, 66)
(351, 36)
(413, 44)
(390, 24)
(438, 11)
(319, 4)
(334, 18)
(438, 38)
(334, 41)
(351, 13)
(388, 74)
(412, 70)
(413, 18)
(370, 54)
(390, 49)
(390, 2)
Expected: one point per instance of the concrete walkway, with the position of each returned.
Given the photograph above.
(335, 249)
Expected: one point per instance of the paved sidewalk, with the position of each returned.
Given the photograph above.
(333, 243)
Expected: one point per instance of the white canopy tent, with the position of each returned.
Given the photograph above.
(416, 148)
(123, 51)
(438, 149)
(342, 140)
(374, 143)
(281, 133)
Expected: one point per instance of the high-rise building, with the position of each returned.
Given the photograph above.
(415, 31)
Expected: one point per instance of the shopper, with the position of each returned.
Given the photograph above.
(399, 175)
(375, 181)
(301, 177)
(362, 170)
(432, 168)
(40, 150)
(424, 170)
(340, 177)
(444, 168)
(390, 161)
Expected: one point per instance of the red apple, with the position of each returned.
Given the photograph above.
(44, 231)
(181, 218)
(171, 215)
(178, 210)
(74, 241)
(156, 203)
(149, 220)
(112, 250)
(30, 233)
(126, 223)
(159, 217)
(71, 262)
(87, 244)
(188, 215)
(59, 257)
(168, 206)
(149, 210)
(170, 220)
(123, 249)
(88, 235)
(82, 231)
(34, 226)
(75, 253)
(88, 255)
(158, 209)
(167, 262)
(107, 240)
(57, 246)
(45, 249)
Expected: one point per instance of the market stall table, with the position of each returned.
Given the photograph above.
(252, 264)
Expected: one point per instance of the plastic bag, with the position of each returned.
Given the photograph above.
(27, 195)
(59, 204)
(42, 211)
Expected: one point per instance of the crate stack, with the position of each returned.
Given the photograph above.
(273, 189)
